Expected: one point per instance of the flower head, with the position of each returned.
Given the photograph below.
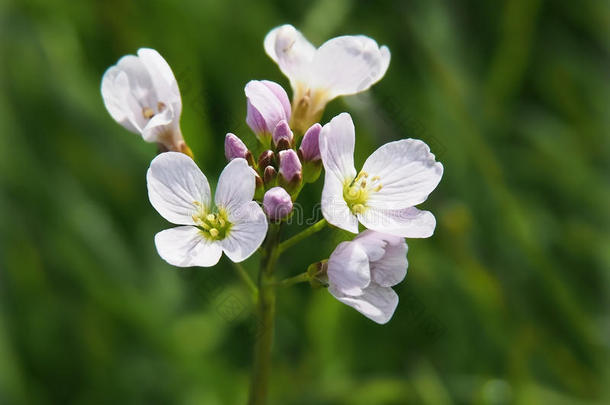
(290, 174)
(267, 105)
(382, 196)
(141, 93)
(342, 66)
(232, 223)
(362, 272)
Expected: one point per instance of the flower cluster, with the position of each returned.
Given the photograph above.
(259, 185)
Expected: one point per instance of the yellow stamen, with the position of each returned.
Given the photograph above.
(147, 112)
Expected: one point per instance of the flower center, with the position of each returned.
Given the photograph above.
(148, 112)
(356, 193)
(213, 225)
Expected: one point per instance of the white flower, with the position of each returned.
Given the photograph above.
(180, 192)
(362, 272)
(141, 93)
(382, 196)
(342, 66)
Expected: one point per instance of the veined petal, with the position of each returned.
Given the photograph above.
(407, 222)
(373, 243)
(162, 77)
(337, 147)
(160, 126)
(247, 233)
(291, 51)
(348, 269)
(235, 186)
(407, 171)
(334, 207)
(391, 268)
(267, 102)
(376, 302)
(185, 246)
(177, 189)
(119, 101)
(348, 65)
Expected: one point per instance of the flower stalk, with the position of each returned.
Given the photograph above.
(288, 243)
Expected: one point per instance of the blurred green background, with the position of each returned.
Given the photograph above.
(507, 303)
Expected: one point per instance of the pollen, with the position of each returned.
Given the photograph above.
(213, 225)
(148, 113)
(357, 192)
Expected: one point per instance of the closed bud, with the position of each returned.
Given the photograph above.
(266, 159)
(277, 204)
(310, 147)
(269, 176)
(267, 104)
(235, 148)
(282, 136)
(291, 175)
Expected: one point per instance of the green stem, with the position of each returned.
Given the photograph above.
(300, 278)
(245, 277)
(318, 226)
(265, 322)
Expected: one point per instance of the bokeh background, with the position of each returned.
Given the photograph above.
(507, 303)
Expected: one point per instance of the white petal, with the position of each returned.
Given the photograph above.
(262, 94)
(291, 51)
(373, 243)
(162, 77)
(407, 222)
(334, 207)
(235, 186)
(391, 269)
(348, 65)
(337, 140)
(177, 188)
(119, 101)
(348, 269)
(185, 246)
(247, 233)
(160, 126)
(407, 172)
(376, 303)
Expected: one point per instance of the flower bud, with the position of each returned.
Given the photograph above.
(269, 176)
(290, 171)
(310, 147)
(277, 204)
(267, 104)
(235, 148)
(282, 136)
(266, 158)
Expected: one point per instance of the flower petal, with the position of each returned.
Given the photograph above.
(376, 302)
(348, 65)
(337, 147)
(185, 246)
(291, 51)
(407, 222)
(160, 126)
(391, 269)
(120, 103)
(235, 186)
(267, 101)
(334, 207)
(407, 171)
(177, 189)
(247, 233)
(348, 269)
(162, 77)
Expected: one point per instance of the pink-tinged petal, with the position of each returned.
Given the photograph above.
(247, 232)
(407, 222)
(348, 65)
(185, 246)
(348, 269)
(407, 171)
(337, 140)
(177, 189)
(376, 302)
(264, 104)
(236, 185)
(277, 203)
(334, 207)
(234, 147)
(282, 131)
(391, 269)
(290, 165)
(291, 51)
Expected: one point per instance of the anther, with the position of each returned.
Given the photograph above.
(213, 232)
(147, 112)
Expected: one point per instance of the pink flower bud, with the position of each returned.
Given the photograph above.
(267, 105)
(290, 166)
(277, 204)
(234, 147)
(310, 148)
(282, 132)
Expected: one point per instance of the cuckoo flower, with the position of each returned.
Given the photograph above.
(233, 223)
(277, 204)
(141, 93)
(342, 66)
(267, 105)
(382, 196)
(362, 272)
